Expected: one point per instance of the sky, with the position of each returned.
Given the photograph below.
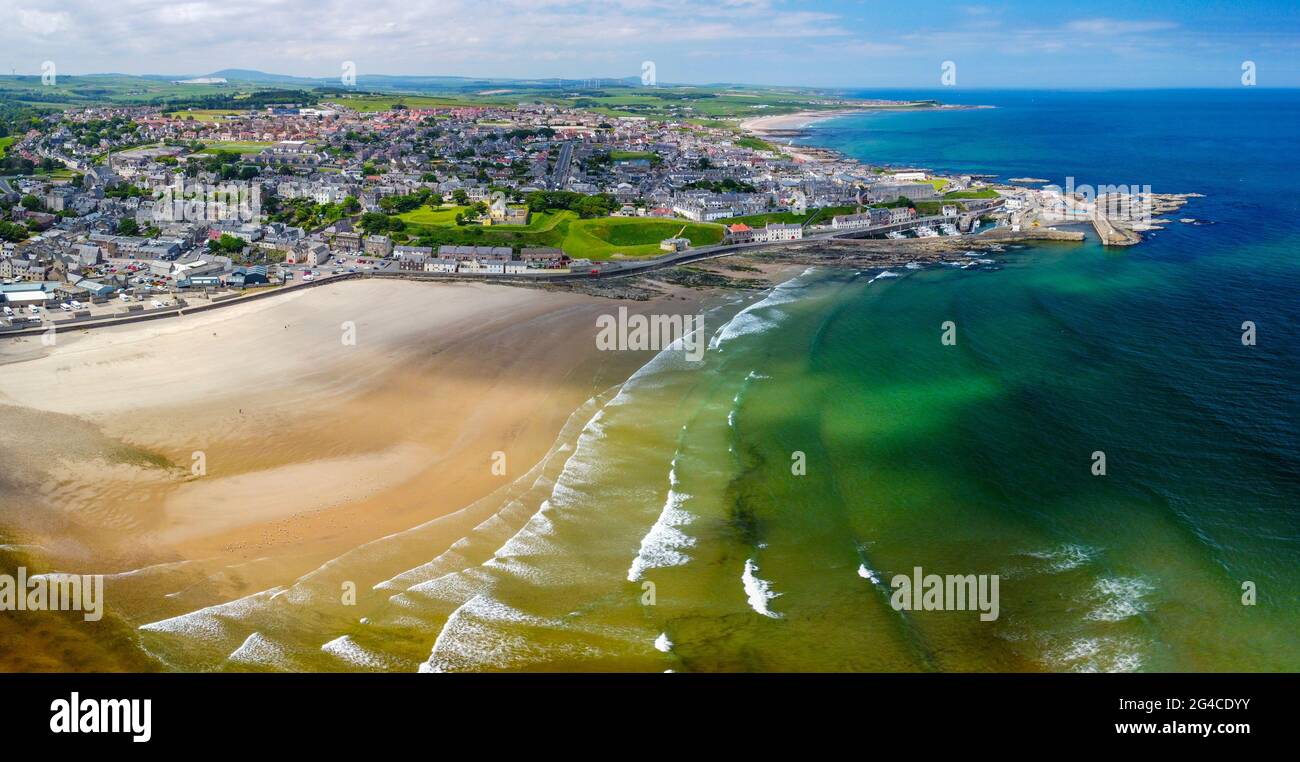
(830, 43)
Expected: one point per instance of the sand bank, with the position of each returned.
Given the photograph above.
(309, 444)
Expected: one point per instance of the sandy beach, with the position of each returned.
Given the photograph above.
(307, 444)
(765, 125)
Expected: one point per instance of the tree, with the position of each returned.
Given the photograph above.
(227, 244)
(128, 226)
(593, 206)
(373, 222)
(31, 203)
(460, 197)
(11, 232)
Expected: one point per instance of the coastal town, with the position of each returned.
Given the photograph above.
(119, 212)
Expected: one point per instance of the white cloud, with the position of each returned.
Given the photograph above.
(1105, 26)
(41, 22)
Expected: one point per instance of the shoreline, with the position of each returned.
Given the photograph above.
(310, 446)
(800, 120)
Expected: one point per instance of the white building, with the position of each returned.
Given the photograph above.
(778, 232)
(439, 265)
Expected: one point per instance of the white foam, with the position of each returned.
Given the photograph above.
(1065, 557)
(260, 650)
(1119, 598)
(473, 637)
(211, 622)
(747, 321)
(867, 573)
(346, 649)
(758, 590)
(662, 546)
(1102, 654)
(662, 643)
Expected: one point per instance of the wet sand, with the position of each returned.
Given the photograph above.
(308, 445)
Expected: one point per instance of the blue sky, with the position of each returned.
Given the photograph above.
(839, 43)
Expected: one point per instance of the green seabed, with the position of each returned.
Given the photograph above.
(967, 459)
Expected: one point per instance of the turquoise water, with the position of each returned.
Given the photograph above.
(669, 531)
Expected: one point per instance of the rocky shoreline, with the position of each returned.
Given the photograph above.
(759, 269)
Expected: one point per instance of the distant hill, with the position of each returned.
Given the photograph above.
(252, 75)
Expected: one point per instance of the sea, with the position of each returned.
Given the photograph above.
(1098, 432)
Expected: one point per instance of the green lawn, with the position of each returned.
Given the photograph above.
(606, 237)
(537, 223)
(443, 216)
(206, 114)
(372, 103)
(599, 238)
(755, 144)
(981, 193)
(5, 143)
(217, 146)
(649, 156)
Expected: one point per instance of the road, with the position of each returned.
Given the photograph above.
(562, 165)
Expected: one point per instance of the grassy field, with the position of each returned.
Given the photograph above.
(538, 223)
(443, 216)
(713, 105)
(69, 91)
(981, 193)
(5, 143)
(649, 156)
(701, 105)
(599, 238)
(206, 115)
(607, 237)
(217, 146)
(372, 103)
(756, 144)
